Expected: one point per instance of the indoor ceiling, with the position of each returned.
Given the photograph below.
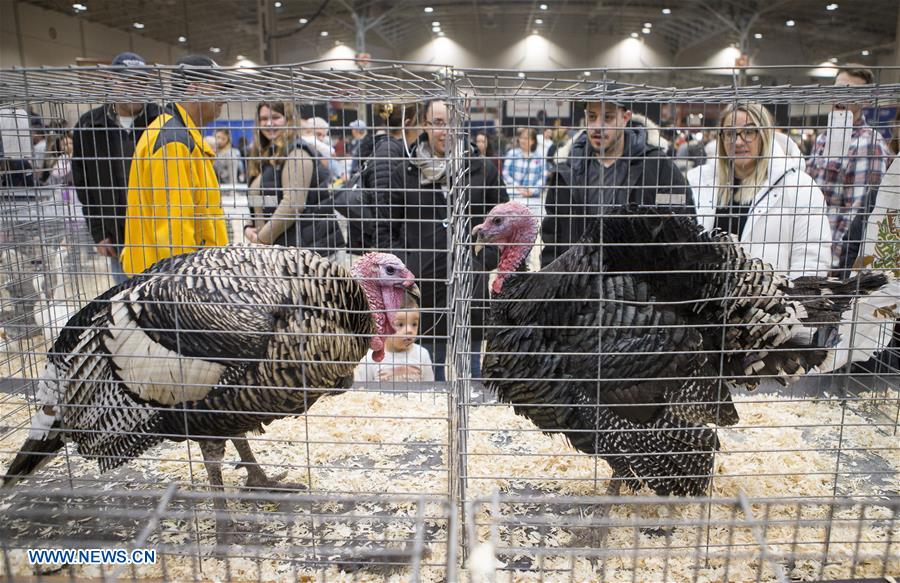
(823, 29)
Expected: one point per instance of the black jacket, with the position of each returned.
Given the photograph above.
(101, 160)
(575, 194)
(358, 200)
(418, 224)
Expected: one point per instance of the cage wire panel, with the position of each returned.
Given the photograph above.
(573, 396)
(375, 429)
(698, 539)
(290, 537)
(385, 454)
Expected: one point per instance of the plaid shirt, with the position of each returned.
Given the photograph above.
(519, 171)
(846, 181)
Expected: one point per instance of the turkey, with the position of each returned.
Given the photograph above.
(626, 362)
(209, 346)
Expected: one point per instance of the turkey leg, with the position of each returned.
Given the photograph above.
(601, 512)
(256, 477)
(213, 453)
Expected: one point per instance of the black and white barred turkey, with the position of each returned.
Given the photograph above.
(629, 341)
(210, 346)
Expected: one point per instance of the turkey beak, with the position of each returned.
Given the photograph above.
(412, 290)
(479, 239)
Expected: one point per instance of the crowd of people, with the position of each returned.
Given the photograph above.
(148, 183)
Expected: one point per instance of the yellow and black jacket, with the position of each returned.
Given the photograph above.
(174, 204)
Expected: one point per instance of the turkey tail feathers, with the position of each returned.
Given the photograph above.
(34, 454)
(826, 299)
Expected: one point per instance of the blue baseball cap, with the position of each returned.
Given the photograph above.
(128, 59)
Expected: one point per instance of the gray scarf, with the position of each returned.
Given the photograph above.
(432, 170)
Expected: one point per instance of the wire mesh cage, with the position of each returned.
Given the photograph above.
(278, 536)
(593, 289)
(523, 538)
(624, 339)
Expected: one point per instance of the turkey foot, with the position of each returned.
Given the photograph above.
(596, 537)
(256, 477)
(257, 480)
(601, 513)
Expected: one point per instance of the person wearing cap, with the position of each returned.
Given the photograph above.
(103, 143)
(174, 204)
(610, 164)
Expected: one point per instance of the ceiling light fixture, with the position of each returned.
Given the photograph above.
(435, 23)
(789, 23)
(587, 73)
(278, 5)
(303, 20)
(539, 21)
(757, 36)
(182, 39)
(833, 60)
(240, 57)
(645, 30)
(435, 29)
(138, 25)
(667, 11)
(648, 25)
(831, 7)
(79, 7)
(634, 35)
(429, 10)
(323, 33)
(865, 53)
(543, 7)
(521, 74)
(215, 50)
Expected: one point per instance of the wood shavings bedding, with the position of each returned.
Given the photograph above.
(398, 443)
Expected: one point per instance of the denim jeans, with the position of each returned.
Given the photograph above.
(115, 270)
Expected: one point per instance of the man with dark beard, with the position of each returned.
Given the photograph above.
(612, 163)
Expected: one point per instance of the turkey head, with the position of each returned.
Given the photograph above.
(385, 281)
(514, 229)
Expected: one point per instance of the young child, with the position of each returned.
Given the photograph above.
(404, 360)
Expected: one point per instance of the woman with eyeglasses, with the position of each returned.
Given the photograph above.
(762, 196)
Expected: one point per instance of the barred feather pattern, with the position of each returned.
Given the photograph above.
(279, 327)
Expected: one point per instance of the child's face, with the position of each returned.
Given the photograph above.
(406, 324)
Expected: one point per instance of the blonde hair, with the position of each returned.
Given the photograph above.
(764, 123)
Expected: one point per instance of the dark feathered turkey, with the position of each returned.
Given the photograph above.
(619, 343)
(208, 345)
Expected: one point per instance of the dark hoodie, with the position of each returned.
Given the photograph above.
(575, 191)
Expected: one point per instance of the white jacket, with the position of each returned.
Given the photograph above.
(788, 223)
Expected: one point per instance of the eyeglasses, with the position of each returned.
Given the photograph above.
(438, 123)
(747, 133)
